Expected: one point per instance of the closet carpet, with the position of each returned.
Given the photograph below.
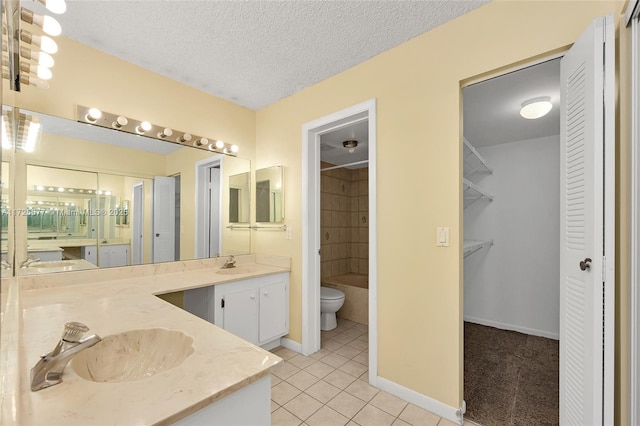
(510, 378)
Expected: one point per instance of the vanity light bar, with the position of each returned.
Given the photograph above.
(108, 120)
(77, 191)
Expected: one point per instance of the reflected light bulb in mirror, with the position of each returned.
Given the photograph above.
(45, 43)
(43, 58)
(60, 189)
(219, 144)
(234, 148)
(40, 188)
(55, 6)
(48, 24)
(145, 126)
(44, 73)
(93, 115)
(120, 121)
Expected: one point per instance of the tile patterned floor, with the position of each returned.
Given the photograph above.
(330, 387)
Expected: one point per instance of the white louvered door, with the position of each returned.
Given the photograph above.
(586, 233)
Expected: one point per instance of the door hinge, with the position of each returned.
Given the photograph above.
(222, 303)
(604, 269)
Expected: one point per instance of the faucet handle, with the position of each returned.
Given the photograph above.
(73, 331)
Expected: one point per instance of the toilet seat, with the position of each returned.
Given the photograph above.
(328, 293)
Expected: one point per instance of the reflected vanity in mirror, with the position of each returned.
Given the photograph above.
(97, 197)
(270, 195)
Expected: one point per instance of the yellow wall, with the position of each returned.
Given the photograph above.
(417, 88)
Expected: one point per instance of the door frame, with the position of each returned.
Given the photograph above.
(609, 229)
(311, 133)
(632, 19)
(202, 207)
(137, 222)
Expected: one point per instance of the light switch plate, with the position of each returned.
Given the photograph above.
(442, 236)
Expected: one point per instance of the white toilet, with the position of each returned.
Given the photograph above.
(331, 300)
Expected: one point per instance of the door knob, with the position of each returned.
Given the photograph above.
(157, 235)
(585, 264)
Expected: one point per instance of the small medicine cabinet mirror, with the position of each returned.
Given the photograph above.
(269, 195)
(239, 196)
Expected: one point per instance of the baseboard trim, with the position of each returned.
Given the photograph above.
(443, 410)
(291, 344)
(512, 327)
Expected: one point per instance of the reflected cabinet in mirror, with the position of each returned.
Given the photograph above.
(95, 197)
(270, 195)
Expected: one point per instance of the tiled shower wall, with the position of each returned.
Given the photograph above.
(344, 227)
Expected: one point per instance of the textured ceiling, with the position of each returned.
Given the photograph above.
(492, 107)
(252, 53)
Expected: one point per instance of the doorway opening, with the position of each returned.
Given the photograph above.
(209, 207)
(511, 249)
(322, 191)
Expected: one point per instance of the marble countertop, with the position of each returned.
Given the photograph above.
(124, 299)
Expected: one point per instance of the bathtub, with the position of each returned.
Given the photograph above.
(356, 290)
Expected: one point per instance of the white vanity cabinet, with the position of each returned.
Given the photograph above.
(256, 309)
(113, 255)
(90, 254)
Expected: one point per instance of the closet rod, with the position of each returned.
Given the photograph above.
(355, 163)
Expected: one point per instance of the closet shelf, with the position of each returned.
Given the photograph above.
(473, 161)
(473, 192)
(472, 246)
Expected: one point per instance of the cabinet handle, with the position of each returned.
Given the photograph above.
(266, 293)
(252, 297)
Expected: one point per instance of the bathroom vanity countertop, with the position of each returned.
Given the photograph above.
(220, 364)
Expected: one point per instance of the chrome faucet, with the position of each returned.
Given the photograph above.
(48, 370)
(229, 263)
(29, 260)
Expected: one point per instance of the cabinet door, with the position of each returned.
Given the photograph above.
(90, 254)
(104, 259)
(240, 314)
(274, 312)
(119, 255)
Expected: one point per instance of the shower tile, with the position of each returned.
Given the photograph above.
(363, 187)
(363, 203)
(354, 219)
(363, 234)
(344, 203)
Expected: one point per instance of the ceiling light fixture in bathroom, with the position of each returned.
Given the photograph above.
(536, 107)
(153, 131)
(351, 145)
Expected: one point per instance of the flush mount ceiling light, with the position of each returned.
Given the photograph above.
(350, 145)
(536, 107)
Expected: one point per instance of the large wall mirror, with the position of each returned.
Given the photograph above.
(94, 197)
(270, 195)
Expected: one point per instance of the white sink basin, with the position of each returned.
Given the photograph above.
(238, 270)
(133, 355)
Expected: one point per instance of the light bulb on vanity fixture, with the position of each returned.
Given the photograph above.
(165, 133)
(201, 142)
(184, 138)
(219, 144)
(143, 127)
(536, 107)
(350, 145)
(93, 115)
(119, 122)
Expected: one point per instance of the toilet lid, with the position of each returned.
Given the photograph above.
(328, 293)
